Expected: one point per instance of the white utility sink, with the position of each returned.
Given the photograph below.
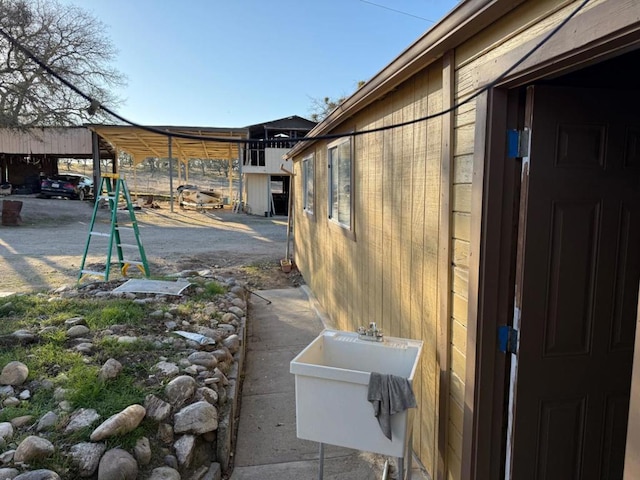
(332, 378)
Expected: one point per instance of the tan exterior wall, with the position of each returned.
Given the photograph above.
(388, 272)
(477, 62)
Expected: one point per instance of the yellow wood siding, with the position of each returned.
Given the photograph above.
(387, 270)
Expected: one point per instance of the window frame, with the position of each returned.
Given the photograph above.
(308, 167)
(331, 147)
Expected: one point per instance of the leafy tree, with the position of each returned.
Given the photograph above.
(73, 44)
(321, 108)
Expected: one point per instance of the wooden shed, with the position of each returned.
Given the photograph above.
(514, 215)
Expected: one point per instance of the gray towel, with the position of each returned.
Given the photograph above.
(389, 395)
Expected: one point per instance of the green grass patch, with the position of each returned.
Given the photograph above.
(111, 348)
(86, 390)
(210, 291)
(116, 312)
(40, 403)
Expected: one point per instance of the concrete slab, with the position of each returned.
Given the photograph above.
(353, 466)
(262, 364)
(267, 447)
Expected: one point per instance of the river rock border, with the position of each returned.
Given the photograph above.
(196, 413)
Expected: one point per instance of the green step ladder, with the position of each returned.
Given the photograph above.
(112, 188)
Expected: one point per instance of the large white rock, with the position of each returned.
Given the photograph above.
(197, 418)
(120, 423)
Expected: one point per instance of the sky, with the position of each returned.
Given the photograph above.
(233, 63)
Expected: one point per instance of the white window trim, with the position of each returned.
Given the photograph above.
(330, 146)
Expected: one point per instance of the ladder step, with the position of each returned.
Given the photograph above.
(128, 245)
(125, 229)
(92, 272)
(133, 262)
(100, 234)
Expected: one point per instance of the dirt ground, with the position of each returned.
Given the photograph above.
(46, 250)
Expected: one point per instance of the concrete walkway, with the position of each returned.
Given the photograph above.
(267, 447)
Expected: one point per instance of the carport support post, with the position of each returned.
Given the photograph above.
(240, 160)
(95, 153)
(170, 174)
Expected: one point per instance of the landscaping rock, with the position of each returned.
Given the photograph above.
(117, 464)
(185, 447)
(86, 457)
(47, 421)
(110, 370)
(6, 432)
(142, 451)
(78, 331)
(205, 359)
(38, 475)
(8, 473)
(197, 418)
(180, 389)
(21, 421)
(156, 408)
(120, 423)
(33, 448)
(165, 473)
(166, 369)
(232, 342)
(14, 373)
(82, 418)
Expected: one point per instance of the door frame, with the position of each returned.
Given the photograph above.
(495, 195)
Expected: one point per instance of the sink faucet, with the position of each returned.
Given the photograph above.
(373, 333)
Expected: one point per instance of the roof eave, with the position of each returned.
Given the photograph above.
(465, 20)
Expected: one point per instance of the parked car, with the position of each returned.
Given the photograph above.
(70, 185)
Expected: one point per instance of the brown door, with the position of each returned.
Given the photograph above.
(577, 288)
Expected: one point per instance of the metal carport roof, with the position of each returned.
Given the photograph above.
(141, 143)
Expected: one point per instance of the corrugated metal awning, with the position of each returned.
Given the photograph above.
(141, 143)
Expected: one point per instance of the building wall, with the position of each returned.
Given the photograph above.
(477, 62)
(49, 141)
(257, 192)
(272, 162)
(387, 271)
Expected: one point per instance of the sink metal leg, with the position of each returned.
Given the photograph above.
(321, 469)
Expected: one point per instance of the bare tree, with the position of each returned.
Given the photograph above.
(73, 44)
(322, 107)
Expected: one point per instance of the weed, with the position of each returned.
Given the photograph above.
(211, 290)
(116, 312)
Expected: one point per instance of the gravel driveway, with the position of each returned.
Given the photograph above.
(46, 250)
